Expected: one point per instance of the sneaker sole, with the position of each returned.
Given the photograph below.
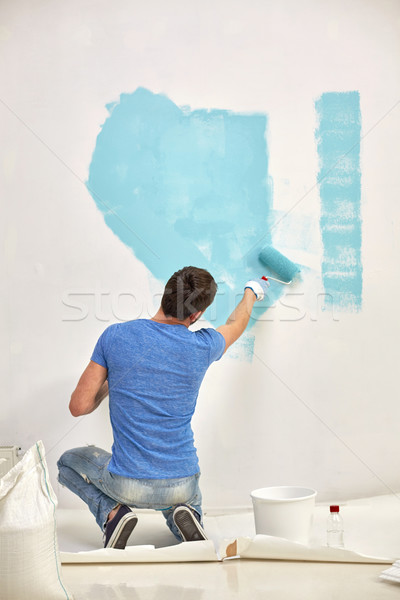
(188, 525)
(122, 532)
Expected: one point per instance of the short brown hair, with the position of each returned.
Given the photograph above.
(188, 291)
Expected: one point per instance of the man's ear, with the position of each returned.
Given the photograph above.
(195, 316)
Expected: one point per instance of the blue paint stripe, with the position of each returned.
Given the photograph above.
(338, 138)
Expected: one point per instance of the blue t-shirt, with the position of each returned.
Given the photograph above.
(154, 375)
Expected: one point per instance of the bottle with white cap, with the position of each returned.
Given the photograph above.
(335, 528)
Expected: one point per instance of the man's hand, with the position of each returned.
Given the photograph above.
(92, 388)
(259, 287)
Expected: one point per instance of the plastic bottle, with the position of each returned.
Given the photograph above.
(335, 528)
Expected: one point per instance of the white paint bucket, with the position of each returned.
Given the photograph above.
(284, 511)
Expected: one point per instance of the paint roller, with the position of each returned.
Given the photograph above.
(279, 264)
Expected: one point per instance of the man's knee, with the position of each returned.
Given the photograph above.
(66, 459)
(60, 462)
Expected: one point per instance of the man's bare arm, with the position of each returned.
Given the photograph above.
(92, 388)
(238, 320)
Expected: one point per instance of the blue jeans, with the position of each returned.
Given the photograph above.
(84, 471)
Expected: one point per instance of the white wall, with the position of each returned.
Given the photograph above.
(318, 404)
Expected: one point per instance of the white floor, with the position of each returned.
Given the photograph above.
(242, 579)
(250, 580)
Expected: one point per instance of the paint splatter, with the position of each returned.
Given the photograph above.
(339, 178)
(182, 187)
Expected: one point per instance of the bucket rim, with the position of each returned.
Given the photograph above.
(257, 494)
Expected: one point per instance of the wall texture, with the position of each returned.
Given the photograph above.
(272, 123)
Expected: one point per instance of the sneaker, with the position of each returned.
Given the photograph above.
(188, 525)
(119, 529)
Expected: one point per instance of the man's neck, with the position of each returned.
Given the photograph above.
(160, 317)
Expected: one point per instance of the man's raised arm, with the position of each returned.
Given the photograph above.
(238, 320)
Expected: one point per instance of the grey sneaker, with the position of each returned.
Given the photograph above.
(188, 524)
(119, 529)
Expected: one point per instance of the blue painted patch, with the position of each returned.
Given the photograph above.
(339, 178)
(182, 187)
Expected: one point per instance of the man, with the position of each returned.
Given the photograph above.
(152, 370)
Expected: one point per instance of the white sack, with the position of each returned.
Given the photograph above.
(30, 565)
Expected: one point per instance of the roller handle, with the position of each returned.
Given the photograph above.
(278, 280)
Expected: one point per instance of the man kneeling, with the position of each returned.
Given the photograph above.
(152, 370)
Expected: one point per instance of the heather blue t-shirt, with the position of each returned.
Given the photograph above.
(154, 375)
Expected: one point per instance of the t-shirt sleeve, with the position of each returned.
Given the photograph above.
(216, 343)
(100, 351)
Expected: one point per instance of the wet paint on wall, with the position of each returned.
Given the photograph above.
(182, 187)
(338, 140)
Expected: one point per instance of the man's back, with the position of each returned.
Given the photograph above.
(154, 374)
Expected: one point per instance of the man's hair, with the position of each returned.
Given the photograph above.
(188, 291)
